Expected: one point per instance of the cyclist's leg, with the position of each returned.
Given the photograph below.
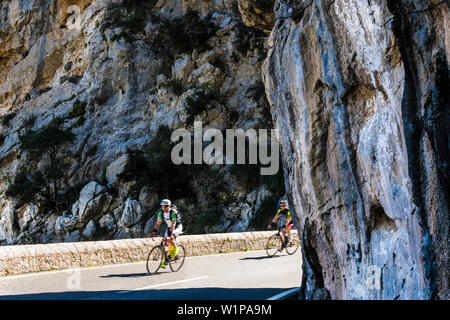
(178, 230)
(288, 232)
(283, 237)
(166, 243)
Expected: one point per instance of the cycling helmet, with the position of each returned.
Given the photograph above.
(174, 208)
(165, 202)
(284, 202)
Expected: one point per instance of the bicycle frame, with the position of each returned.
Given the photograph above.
(163, 244)
(281, 231)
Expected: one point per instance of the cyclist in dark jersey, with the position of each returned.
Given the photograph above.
(289, 223)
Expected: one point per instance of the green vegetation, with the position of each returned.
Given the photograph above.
(248, 38)
(78, 109)
(266, 212)
(131, 16)
(220, 64)
(124, 35)
(155, 169)
(175, 85)
(199, 101)
(186, 33)
(204, 217)
(250, 174)
(29, 121)
(7, 118)
(46, 185)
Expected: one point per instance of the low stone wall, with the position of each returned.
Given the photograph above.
(58, 256)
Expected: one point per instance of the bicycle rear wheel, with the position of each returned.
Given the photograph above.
(154, 260)
(273, 245)
(293, 245)
(178, 261)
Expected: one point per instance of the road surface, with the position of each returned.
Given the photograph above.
(237, 276)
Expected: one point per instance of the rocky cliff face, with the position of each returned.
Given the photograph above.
(359, 92)
(116, 76)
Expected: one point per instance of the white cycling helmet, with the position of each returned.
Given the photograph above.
(284, 202)
(165, 202)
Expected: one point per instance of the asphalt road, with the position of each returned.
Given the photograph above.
(237, 276)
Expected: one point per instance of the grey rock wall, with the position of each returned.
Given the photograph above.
(361, 106)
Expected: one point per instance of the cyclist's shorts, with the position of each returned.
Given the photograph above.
(177, 231)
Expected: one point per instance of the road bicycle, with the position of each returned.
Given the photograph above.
(275, 244)
(160, 254)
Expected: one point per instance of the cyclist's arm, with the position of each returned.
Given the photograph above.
(288, 220)
(158, 222)
(173, 218)
(274, 220)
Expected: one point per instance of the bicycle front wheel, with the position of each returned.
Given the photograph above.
(154, 260)
(177, 262)
(273, 245)
(293, 245)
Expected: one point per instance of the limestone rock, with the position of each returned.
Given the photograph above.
(93, 201)
(26, 215)
(65, 224)
(251, 197)
(258, 13)
(147, 199)
(124, 233)
(206, 74)
(50, 223)
(116, 168)
(182, 67)
(89, 231)
(236, 218)
(6, 222)
(73, 236)
(149, 225)
(263, 193)
(348, 98)
(107, 222)
(131, 214)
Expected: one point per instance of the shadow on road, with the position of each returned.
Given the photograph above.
(210, 293)
(259, 258)
(130, 275)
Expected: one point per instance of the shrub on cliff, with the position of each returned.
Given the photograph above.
(154, 168)
(50, 140)
(29, 121)
(8, 117)
(184, 34)
(174, 85)
(78, 109)
(44, 185)
(198, 102)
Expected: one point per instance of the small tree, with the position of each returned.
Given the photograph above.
(43, 186)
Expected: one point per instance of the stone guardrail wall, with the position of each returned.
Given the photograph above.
(58, 256)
